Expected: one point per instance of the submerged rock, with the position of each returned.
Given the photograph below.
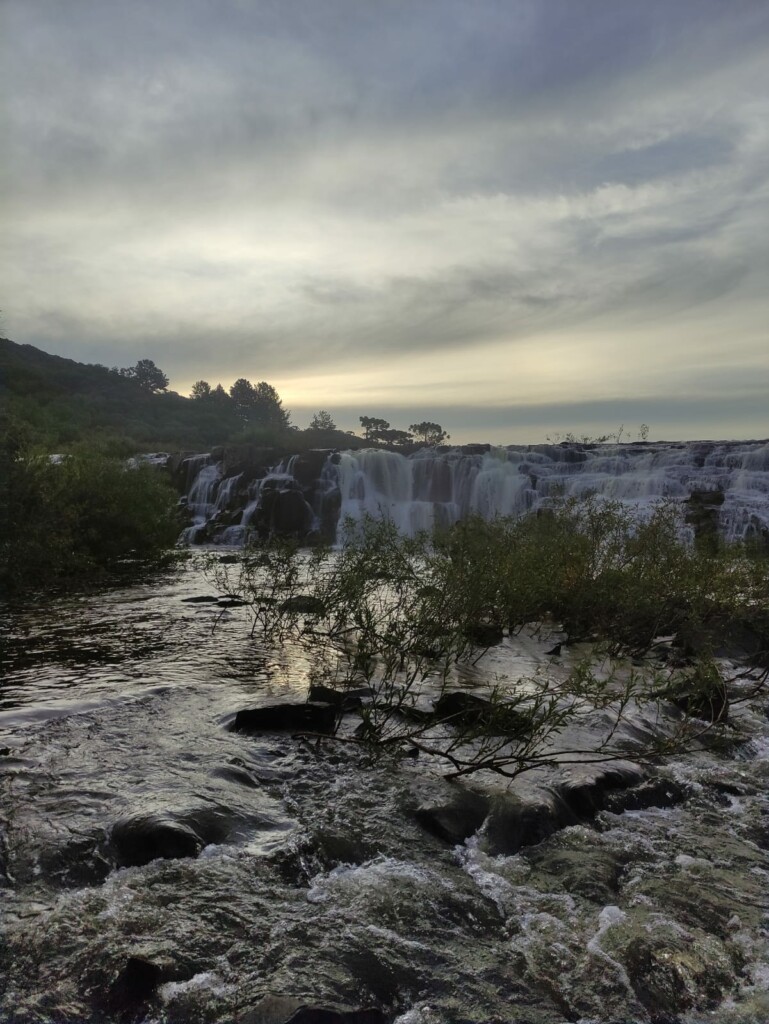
(455, 815)
(275, 1009)
(310, 717)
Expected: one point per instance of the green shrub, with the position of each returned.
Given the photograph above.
(87, 514)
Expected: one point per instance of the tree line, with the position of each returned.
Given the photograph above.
(259, 405)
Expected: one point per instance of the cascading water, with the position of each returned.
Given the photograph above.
(437, 487)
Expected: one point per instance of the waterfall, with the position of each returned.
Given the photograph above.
(319, 491)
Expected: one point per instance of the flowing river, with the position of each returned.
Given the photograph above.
(316, 877)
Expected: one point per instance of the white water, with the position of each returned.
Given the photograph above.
(437, 487)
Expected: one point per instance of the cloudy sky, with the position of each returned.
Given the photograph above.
(515, 217)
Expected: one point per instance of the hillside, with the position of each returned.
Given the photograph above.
(56, 403)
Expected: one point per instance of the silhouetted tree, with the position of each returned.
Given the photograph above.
(259, 406)
(373, 427)
(201, 389)
(322, 421)
(147, 375)
(429, 433)
(395, 437)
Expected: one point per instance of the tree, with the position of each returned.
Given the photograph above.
(147, 375)
(429, 433)
(322, 421)
(373, 427)
(201, 389)
(259, 406)
(397, 438)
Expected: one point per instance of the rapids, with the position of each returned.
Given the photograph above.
(322, 875)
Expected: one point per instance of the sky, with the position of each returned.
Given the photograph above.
(516, 218)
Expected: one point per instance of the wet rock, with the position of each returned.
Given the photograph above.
(135, 984)
(309, 717)
(343, 700)
(276, 1009)
(143, 838)
(228, 559)
(513, 824)
(138, 841)
(583, 796)
(468, 710)
(660, 791)
(671, 975)
(485, 634)
(455, 815)
(200, 599)
(303, 604)
(231, 602)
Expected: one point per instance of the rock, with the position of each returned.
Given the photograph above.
(513, 824)
(135, 984)
(456, 817)
(656, 792)
(309, 717)
(231, 602)
(169, 835)
(582, 796)
(468, 710)
(200, 599)
(344, 700)
(274, 1009)
(303, 604)
(485, 634)
(139, 840)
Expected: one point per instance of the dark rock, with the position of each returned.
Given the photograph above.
(513, 824)
(468, 710)
(135, 984)
(456, 817)
(228, 559)
(231, 602)
(344, 700)
(139, 840)
(309, 717)
(207, 599)
(670, 975)
(274, 1009)
(656, 792)
(303, 604)
(583, 796)
(307, 467)
(169, 835)
(485, 634)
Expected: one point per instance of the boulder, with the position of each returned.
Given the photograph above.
(277, 1009)
(453, 816)
(310, 717)
(303, 604)
(139, 840)
(135, 984)
(467, 710)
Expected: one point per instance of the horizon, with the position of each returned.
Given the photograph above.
(512, 219)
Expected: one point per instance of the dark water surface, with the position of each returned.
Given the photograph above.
(314, 875)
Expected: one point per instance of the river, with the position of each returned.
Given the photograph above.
(317, 876)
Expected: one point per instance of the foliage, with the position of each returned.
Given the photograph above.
(396, 615)
(429, 433)
(147, 375)
(259, 405)
(322, 420)
(373, 427)
(86, 514)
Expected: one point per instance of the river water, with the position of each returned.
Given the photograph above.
(316, 874)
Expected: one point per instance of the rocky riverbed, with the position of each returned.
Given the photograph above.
(158, 866)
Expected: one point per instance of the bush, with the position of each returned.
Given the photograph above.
(395, 615)
(86, 514)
